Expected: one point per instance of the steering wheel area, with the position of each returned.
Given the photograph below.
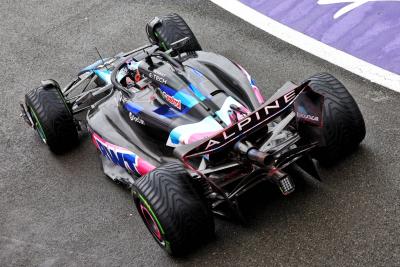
(122, 75)
(125, 75)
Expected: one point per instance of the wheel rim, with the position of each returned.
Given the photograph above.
(38, 126)
(151, 223)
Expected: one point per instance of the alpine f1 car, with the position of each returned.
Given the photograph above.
(190, 132)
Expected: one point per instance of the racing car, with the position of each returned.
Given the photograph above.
(189, 131)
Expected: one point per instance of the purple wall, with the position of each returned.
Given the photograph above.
(369, 30)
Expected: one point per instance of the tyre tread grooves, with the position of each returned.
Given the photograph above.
(344, 126)
(184, 216)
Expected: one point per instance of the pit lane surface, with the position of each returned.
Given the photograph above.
(61, 210)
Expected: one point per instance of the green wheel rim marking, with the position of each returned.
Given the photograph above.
(38, 126)
(162, 42)
(167, 244)
(64, 101)
(152, 214)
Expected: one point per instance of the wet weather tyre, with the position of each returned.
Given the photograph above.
(52, 118)
(172, 209)
(173, 28)
(343, 124)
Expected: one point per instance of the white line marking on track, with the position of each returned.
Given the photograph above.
(351, 63)
(352, 4)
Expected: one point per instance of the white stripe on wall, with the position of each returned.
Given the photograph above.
(317, 48)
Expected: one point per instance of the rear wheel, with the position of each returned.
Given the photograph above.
(172, 209)
(173, 28)
(343, 124)
(51, 117)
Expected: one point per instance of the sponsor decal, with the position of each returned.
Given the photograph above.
(309, 108)
(308, 117)
(159, 73)
(157, 77)
(172, 100)
(136, 119)
(119, 156)
(122, 157)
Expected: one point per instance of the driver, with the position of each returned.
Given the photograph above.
(129, 76)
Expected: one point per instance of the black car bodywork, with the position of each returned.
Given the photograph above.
(162, 104)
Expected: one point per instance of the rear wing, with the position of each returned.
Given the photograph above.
(262, 116)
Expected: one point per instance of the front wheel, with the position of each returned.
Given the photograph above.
(52, 118)
(172, 28)
(172, 209)
(343, 124)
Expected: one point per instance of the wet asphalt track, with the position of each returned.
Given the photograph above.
(63, 211)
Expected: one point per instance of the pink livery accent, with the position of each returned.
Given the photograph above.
(258, 94)
(122, 156)
(143, 166)
(151, 222)
(256, 90)
(199, 136)
(189, 133)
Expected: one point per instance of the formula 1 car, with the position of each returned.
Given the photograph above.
(190, 132)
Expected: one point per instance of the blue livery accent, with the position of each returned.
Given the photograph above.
(182, 95)
(125, 160)
(105, 75)
(198, 73)
(197, 92)
(188, 133)
(186, 99)
(93, 66)
(131, 107)
(168, 90)
(174, 137)
(169, 112)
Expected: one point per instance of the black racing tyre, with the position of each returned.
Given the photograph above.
(173, 28)
(343, 124)
(172, 209)
(52, 118)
